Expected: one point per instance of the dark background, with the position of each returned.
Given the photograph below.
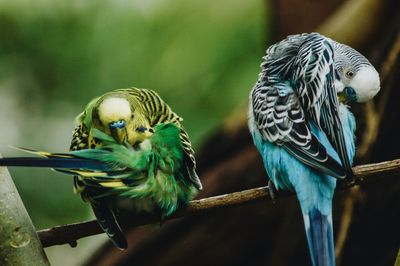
(56, 55)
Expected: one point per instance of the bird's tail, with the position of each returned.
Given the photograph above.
(319, 233)
(87, 159)
(54, 162)
(106, 219)
(109, 161)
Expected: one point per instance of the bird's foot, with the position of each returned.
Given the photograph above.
(272, 190)
(349, 181)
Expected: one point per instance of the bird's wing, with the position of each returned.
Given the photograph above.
(106, 219)
(80, 138)
(313, 80)
(279, 117)
(160, 113)
(81, 135)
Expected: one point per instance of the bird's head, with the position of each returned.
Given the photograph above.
(356, 80)
(359, 86)
(118, 118)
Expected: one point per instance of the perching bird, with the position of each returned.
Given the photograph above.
(304, 134)
(128, 144)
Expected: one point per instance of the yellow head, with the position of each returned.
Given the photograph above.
(122, 119)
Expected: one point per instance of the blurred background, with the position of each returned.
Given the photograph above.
(203, 58)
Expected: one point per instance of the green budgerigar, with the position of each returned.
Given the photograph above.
(128, 146)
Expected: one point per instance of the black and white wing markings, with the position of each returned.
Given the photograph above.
(278, 60)
(280, 119)
(313, 80)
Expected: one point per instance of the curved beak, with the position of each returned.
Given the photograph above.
(347, 95)
(118, 131)
(119, 134)
(342, 97)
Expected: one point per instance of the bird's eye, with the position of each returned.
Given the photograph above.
(349, 74)
(132, 116)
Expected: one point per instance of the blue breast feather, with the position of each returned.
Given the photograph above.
(313, 189)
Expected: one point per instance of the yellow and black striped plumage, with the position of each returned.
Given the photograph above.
(159, 112)
(156, 112)
(128, 150)
(140, 110)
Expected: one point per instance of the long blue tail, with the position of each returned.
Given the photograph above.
(319, 233)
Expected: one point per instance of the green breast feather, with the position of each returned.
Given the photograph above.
(147, 163)
(154, 170)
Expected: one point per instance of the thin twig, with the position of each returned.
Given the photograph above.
(69, 234)
(397, 262)
(373, 118)
(347, 216)
(373, 115)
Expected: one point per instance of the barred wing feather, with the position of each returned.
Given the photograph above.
(313, 80)
(280, 119)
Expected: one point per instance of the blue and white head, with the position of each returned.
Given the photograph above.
(356, 79)
(119, 118)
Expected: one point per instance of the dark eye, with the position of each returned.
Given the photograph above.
(349, 74)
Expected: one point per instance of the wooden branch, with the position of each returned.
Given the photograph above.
(19, 243)
(69, 234)
(347, 217)
(397, 262)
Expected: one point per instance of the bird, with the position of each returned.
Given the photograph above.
(301, 125)
(128, 145)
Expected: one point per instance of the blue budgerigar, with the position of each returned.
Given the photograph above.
(303, 129)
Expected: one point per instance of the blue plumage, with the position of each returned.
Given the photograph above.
(303, 133)
(288, 173)
(313, 189)
(319, 233)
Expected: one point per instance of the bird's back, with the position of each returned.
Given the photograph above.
(279, 58)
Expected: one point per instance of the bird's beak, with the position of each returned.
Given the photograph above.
(118, 131)
(119, 134)
(342, 97)
(347, 95)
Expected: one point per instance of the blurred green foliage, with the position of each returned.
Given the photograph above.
(201, 56)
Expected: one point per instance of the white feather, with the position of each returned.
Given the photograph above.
(339, 86)
(366, 83)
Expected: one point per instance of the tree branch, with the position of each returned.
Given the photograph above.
(19, 243)
(397, 262)
(70, 233)
(353, 196)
